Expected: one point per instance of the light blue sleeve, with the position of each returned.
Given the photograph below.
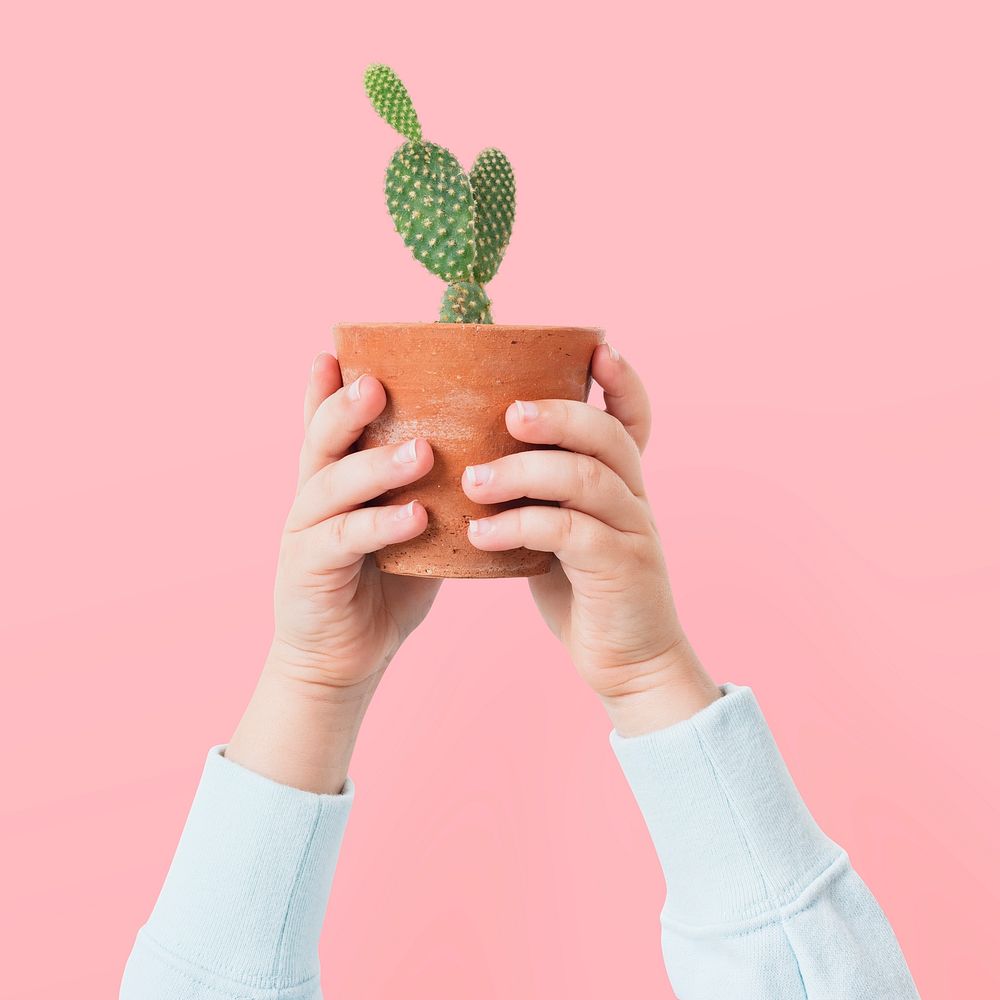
(240, 912)
(761, 904)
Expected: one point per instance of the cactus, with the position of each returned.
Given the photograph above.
(457, 225)
(465, 302)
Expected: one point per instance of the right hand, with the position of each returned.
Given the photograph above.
(338, 619)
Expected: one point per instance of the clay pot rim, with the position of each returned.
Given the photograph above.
(478, 328)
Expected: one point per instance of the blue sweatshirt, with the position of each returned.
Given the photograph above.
(761, 905)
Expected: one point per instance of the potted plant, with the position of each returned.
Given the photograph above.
(452, 381)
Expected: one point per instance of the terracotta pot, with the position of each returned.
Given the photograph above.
(451, 383)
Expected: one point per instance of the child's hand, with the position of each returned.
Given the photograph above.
(607, 598)
(338, 620)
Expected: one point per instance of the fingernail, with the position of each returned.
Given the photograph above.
(318, 360)
(354, 389)
(407, 452)
(480, 527)
(613, 354)
(526, 410)
(406, 512)
(477, 475)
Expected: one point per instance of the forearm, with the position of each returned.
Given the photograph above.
(242, 906)
(299, 732)
(667, 690)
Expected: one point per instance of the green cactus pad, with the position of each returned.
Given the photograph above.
(492, 181)
(430, 201)
(390, 99)
(465, 302)
(456, 225)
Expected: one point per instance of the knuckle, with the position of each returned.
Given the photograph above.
(518, 521)
(330, 422)
(521, 523)
(526, 525)
(328, 478)
(626, 442)
(594, 535)
(319, 429)
(644, 554)
(516, 468)
(309, 444)
(569, 527)
(363, 469)
(588, 475)
(336, 532)
(560, 415)
(375, 463)
(382, 465)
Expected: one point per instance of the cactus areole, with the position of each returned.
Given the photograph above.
(457, 225)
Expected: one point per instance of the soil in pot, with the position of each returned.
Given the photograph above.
(451, 383)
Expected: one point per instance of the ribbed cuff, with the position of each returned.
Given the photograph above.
(247, 890)
(734, 837)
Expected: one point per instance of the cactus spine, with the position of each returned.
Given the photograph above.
(457, 225)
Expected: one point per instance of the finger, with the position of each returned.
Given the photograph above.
(578, 427)
(573, 480)
(338, 422)
(358, 478)
(577, 540)
(324, 380)
(342, 540)
(624, 394)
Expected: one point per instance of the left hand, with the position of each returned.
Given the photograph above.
(607, 598)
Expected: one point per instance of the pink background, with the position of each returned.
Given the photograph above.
(786, 216)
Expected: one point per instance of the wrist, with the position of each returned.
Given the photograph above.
(298, 731)
(674, 686)
(321, 680)
(325, 672)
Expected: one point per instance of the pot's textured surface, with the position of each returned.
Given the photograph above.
(451, 383)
